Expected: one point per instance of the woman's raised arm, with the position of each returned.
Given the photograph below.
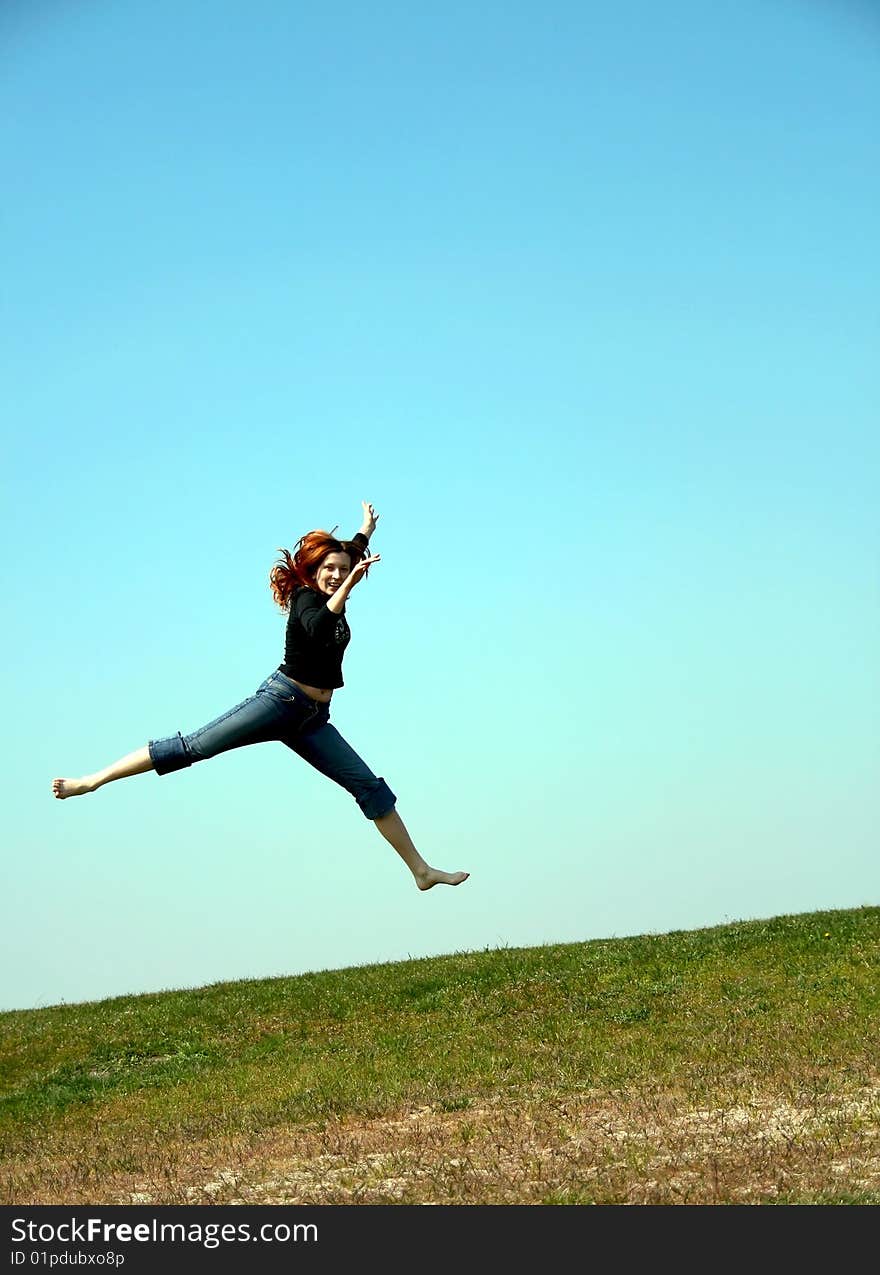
(368, 526)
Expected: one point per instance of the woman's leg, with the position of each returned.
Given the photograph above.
(135, 763)
(256, 720)
(393, 829)
(325, 749)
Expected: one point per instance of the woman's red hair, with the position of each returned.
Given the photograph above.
(300, 568)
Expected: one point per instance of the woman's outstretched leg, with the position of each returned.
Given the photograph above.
(253, 721)
(393, 829)
(131, 764)
(326, 750)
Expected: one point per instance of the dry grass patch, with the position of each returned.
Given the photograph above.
(621, 1148)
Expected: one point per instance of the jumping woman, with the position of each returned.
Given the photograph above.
(293, 704)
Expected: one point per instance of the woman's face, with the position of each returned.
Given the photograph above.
(332, 571)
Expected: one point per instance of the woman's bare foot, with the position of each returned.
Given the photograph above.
(72, 787)
(424, 880)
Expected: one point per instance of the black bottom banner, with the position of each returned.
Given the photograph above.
(272, 1238)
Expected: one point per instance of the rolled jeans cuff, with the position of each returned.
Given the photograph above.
(377, 800)
(169, 754)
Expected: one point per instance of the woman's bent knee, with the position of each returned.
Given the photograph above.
(169, 754)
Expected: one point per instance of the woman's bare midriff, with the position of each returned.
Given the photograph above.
(314, 692)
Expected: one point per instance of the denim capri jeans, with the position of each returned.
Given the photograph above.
(280, 710)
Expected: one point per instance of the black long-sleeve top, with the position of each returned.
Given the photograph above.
(316, 637)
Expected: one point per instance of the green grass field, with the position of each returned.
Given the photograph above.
(737, 1064)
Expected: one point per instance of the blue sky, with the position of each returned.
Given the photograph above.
(584, 298)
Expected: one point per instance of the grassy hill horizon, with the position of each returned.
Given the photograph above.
(733, 1064)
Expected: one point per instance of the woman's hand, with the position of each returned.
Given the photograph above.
(368, 526)
(358, 571)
